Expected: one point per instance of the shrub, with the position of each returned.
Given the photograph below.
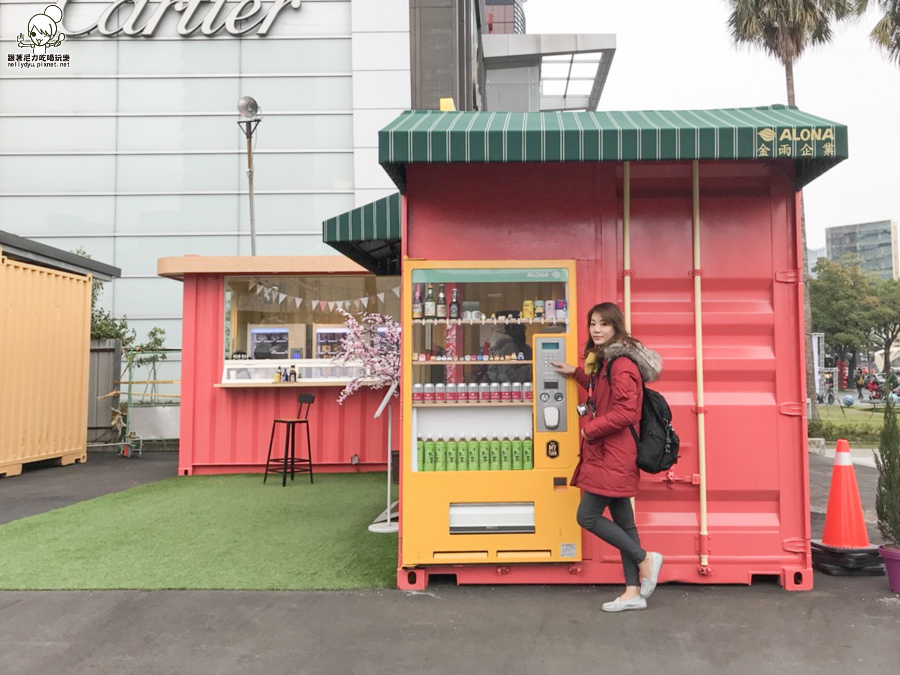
(887, 494)
(831, 431)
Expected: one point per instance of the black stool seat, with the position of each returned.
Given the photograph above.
(289, 462)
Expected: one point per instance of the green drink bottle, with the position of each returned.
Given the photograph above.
(440, 455)
(430, 453)
(484, 454)
(495, 454)
(462, 455)
(517, 457)
(420, 454)
(451, 454)
(473, 454)
(527, 454)
(505, 453)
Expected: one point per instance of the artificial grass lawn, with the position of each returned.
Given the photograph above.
(209, 532)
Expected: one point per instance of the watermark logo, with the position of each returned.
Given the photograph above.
(43, 34)
(43, 31)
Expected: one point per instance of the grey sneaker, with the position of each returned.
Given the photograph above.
(618, 605)
(649, 585)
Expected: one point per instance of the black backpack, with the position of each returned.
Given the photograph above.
(657, 445)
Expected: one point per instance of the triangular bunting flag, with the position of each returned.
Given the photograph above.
(330, 306)
(365, 302)
(381, 297)
(252, 285)
(298, 301)
(396, 291)
(323, 305)
(281, 297)
(259, 289)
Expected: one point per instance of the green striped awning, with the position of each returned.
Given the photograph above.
(775, 132)
(368, 234)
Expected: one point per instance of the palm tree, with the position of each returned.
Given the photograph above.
(886, 33)
(783, 29)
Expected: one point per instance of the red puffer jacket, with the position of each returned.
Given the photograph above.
(608, 464)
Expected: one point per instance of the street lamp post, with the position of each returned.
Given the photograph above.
(248, 109)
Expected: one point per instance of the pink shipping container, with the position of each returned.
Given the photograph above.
(226, 425)
(690, 221)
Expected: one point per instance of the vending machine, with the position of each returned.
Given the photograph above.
(491, 435)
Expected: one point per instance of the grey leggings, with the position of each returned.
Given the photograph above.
(619, 532)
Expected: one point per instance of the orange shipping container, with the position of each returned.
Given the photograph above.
(45, 316)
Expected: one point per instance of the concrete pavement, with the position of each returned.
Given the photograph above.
(845, 623)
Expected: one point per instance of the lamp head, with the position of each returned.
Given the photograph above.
(248, 109)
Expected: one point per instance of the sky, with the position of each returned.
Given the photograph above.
(669, 57)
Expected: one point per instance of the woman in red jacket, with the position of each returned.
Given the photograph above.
(607, 472)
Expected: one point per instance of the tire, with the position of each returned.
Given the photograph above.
(830, 398)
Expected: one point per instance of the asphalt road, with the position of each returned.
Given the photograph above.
(844, 625)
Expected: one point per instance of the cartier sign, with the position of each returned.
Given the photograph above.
(142, 17)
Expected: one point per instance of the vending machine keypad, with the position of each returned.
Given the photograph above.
(549, 385)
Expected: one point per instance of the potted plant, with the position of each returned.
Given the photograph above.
(887, 495)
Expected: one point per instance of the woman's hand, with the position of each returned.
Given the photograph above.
(563, 368)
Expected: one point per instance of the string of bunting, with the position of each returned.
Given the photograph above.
(274, 295)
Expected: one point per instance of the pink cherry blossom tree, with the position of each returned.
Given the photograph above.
(372, 340)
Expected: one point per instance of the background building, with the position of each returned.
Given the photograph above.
(505, 16)
(874, 243)
(812, 257)
(131, 149)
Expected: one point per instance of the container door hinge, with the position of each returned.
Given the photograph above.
(795, 409)
(788, 276)
(795, 545)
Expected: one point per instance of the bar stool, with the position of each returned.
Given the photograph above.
(289, 462)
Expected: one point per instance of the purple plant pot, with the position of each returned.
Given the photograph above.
(891, 557)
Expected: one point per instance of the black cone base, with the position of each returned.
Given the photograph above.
(847, 562)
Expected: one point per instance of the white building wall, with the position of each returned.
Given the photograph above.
(381, 72)
(133, 152)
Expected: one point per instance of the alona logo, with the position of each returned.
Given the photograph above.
(43, 31)
(767, 135)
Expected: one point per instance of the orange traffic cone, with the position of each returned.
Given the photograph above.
(845, 526)
(844, 548)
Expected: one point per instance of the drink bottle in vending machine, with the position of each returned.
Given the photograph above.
(517, 456)
(440, 455)
(527, 454)
(473, 454)
(451, 454)
(495, 454)
(417, 308)
(484, 454)
(506, 454)
(462, 455)
(430, 459)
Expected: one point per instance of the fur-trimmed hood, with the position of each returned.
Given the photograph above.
(649, 362)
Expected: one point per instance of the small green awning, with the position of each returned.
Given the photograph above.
(369, 235)
(775, 132)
